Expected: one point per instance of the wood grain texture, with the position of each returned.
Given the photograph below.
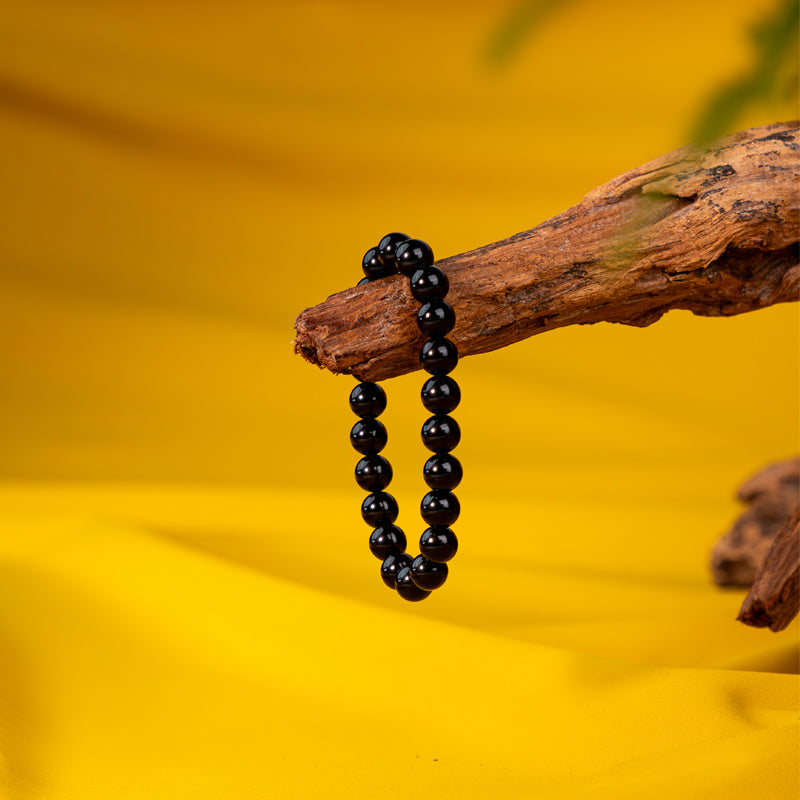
(712, 231)
(774, 599)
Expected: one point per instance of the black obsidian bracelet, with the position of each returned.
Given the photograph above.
(413, 578)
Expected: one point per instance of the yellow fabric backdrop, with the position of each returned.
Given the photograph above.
(189, 609)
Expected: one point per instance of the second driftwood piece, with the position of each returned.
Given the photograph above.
(771, 495)
(762, 547)
(774, 600)
(712, 231)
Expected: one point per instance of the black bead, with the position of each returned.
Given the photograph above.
(440, 507)
(442, 471)
(436, 317)
(386, 540)
(427, 282)
(380, 508)
(440, 393)
(363, 281)
(368, 400)
(407, 589)
(373, 266)
(374, 473)
(413, 254)
(392, 564)
(438, 543)
(368, 435)
(440, 433)
(387, 249)
(428, 575)
(438, 356)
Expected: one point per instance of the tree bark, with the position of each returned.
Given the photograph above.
(712, 231)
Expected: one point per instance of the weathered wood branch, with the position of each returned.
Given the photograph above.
(774, 600)
(712, 231)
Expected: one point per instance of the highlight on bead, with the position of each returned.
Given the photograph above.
(368, 435)
(438, 544)
(413, 254)
(413, 577)
(373, 473)
(386, 540)
(438, 356)
(441, 433)
(436, 317)
(387, 249)
(442, 471)
(440, 393)
(368, 400)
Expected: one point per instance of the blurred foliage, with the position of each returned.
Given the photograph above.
(774, 76)
(522, 22)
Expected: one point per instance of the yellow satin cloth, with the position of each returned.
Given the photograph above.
(189, 609)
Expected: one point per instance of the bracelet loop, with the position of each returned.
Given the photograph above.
(414, 578)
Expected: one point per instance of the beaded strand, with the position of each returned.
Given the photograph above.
(414, 578)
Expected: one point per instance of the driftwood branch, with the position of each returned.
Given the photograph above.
(761, 549)
(771, 495)
(712, 231)
(773, 602)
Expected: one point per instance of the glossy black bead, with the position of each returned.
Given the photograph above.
(407, 589)
(440, 393)
(428, 575)
(413, 254)
(427, 282)
(440, 507)
(438, 356)
(368, 435)
(368, 400)
(386, 540)
(380, 508)
(363, 281)
(387, 249)
(392, 564)
(440, 433)
(373, 473)
(438, 543)
(442, 471)
(436, 317)
(373, 266)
